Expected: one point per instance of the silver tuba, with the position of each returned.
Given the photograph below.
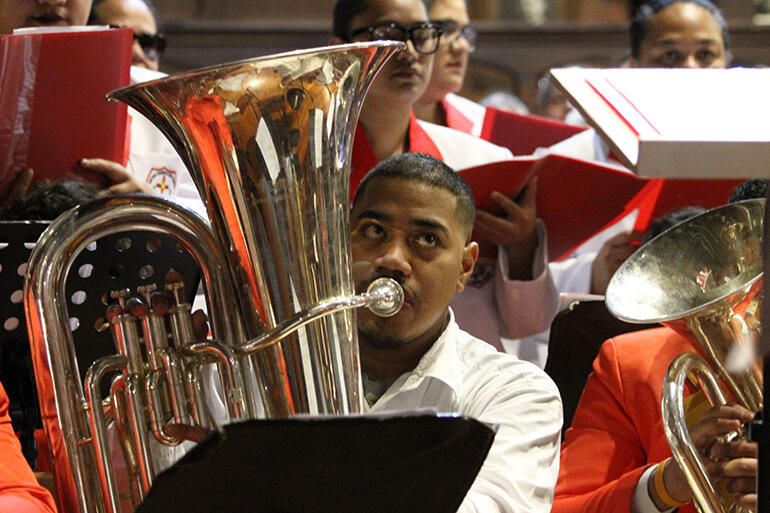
(703, 279)
(268, 144)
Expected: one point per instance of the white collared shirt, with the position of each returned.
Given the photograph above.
(462, 374)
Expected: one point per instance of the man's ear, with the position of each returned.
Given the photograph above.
(470, 255)
(335, 40)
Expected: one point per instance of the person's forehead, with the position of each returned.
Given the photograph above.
(449, 10)
(133, 14)
(408, 199)
(403, 11)
(684, 19)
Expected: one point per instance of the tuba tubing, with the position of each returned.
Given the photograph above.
(677, 434)
(61, 393)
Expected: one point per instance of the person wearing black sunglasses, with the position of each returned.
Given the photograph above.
(138, 15)
(439, 104)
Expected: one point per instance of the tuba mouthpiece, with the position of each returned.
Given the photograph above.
(387, 297)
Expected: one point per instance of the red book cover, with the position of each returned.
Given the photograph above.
(523, 134)
(575, 198)
(662, 196)
(53, 110)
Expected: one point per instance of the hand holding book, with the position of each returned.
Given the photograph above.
(515, 230)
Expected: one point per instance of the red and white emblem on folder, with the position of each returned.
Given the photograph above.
(162, 180)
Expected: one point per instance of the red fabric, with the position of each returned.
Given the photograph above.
(523, 134)
(363, 157)
(44, 455)
(569, 218)
(19, 490)
(617, 432)
(663, 196)
(62, 78)
(455, 118)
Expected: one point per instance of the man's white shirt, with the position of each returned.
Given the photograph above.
(464, 375)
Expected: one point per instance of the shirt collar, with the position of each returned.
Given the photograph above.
(455, 118)
(363, 158)
(440, 362)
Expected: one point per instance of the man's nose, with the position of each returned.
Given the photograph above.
(394, 258)
(141, 59)
(691, 62)
(460, 45)
(409, 54)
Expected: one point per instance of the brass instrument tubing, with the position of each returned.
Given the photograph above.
(101, 447)
(295, 322)
(154, 406)
(672, 407)
(229, 373)
(198, 408)
(175, 384)
(120, 417)
(138, 422)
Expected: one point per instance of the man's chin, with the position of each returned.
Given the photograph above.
(379, 332)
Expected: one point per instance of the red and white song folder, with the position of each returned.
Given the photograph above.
(575, 198)
(678, 123)
(53, 110)
(523, 133)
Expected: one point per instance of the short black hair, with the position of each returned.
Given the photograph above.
(756, 188)
(664, 222)
(429, 170)
(46, 200)
(640, 24)
(344, 12)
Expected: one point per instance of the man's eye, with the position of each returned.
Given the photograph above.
(705, 57)
(427, 240)
(373, 231)
(669, 59)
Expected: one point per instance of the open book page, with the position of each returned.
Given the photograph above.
(575, 198)
(622, 138)
(678, 123)
(684, 104)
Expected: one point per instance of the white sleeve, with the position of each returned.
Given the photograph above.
(573, 274)
(641, 501)
(526, 306)
(520, 471)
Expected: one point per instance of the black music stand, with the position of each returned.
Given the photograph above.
(423, 463)
(123, 260)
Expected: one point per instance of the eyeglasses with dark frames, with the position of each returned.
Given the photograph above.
(153, 45)
(451, 32)
(423, 35)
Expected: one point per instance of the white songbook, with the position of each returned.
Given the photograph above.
(678, 123)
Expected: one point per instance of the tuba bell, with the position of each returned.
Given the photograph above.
(703, 279)
(267, 142)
